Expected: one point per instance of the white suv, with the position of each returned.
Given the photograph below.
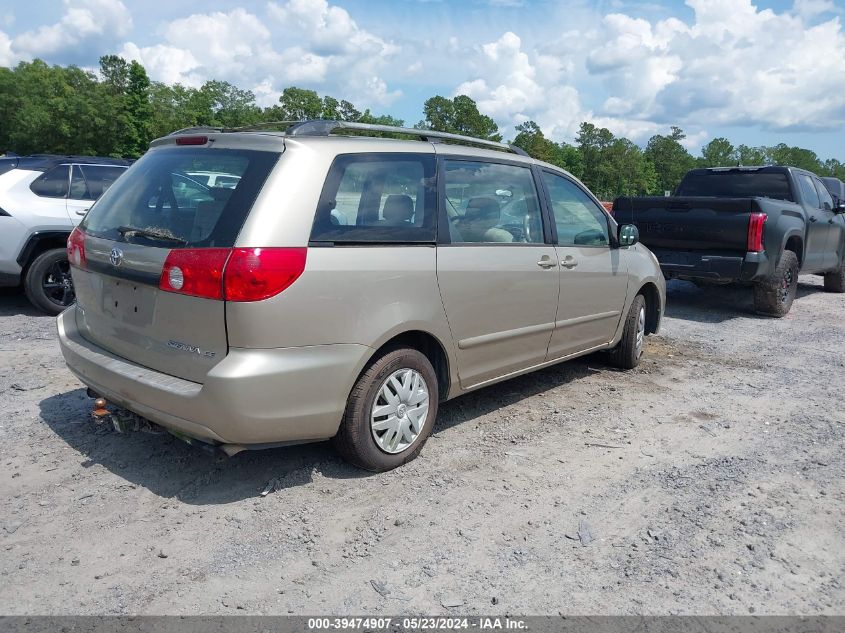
(42, 198)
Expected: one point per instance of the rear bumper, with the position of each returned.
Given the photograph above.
(251, 397)
(692, 265)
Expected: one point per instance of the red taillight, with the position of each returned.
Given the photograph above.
(253, 274)
(195, 271)
(191, 140)
(755, 232)
(76, 248)
(236, 274)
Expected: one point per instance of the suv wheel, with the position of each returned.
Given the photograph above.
(774, 296)
(390, 412)
(48, 284)
(835, 281)
(629, 351)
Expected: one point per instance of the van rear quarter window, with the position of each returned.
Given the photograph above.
(160, 195)
(378, 198)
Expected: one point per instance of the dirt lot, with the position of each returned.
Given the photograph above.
(710, 478)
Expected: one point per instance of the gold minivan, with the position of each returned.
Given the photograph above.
(342, 286)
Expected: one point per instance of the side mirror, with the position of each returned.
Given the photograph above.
(839, 208)
(628, 235)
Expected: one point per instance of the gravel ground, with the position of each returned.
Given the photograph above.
(709, 481)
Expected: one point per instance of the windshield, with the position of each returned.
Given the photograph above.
(736, 184)
(167, 198)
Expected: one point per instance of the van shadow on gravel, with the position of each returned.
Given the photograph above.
(170, 468)
(716, 304)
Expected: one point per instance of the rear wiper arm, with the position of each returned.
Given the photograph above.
(154, 235)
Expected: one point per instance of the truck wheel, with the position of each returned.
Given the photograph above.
(835, 281)
(629, 351)
(774, 296)
(390, 412)
(48, 284)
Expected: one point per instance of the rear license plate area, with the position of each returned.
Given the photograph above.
(127, 301)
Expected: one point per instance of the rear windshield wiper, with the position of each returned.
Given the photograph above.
(151, 234)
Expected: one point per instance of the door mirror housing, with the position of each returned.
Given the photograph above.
(628, 235)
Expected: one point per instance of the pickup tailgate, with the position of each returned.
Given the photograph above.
(689, 224)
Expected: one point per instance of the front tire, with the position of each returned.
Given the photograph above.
(774, 296)
(629, 351)
(47, 282)
(390, 412)
(835, 281)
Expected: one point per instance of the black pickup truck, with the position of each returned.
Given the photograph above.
(758, 225)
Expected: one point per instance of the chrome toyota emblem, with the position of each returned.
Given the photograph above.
(116, 256)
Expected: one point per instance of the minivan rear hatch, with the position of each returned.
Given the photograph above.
(148, 258)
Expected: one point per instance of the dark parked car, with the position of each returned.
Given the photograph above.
(837, 190)
(759, 225)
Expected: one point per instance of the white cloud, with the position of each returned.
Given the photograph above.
(168, 64)
(7, 58)
(510, 91)
(82, 21)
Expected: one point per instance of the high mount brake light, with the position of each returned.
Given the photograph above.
(234, 274)
(191, 140)
(76, 249)
(756, 224)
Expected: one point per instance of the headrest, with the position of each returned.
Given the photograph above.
(482, 208)
(398, 208)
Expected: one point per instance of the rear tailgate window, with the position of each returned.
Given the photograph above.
(160, 203)
(736, 184)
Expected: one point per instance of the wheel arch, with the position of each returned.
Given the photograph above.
(794, 242)
(38, 243)
(427, 344)
(651, 295)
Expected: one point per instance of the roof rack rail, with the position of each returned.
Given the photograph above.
(321, 127)
(324, 128)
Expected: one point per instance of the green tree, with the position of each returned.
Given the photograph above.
(718, 153)
(671, 160)
(298, 104)
(782, 154)
(458, 116)
(751, 156)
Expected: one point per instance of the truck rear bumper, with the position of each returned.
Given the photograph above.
(251, 397)
(692, 265)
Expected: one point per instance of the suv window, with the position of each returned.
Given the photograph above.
(88, 182)
(808, 191)
(578, 219)
(378, 198)
(491, 203)
(824, 194)
(52, 183)
(159, 195)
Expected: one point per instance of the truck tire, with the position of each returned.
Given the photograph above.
(629, 351)
(47, 282)
(390, 412)
(835, 281)
(774, 296)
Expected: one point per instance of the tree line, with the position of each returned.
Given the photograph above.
(68, 110)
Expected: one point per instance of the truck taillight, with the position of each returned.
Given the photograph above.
(76, 248)
(755, 232)
(234, 274)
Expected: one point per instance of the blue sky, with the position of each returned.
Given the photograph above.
(757, 72)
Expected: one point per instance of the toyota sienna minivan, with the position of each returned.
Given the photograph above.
(342, 286)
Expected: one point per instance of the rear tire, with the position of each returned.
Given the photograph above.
(835, 281)
(390, 412)
(774, 296)
(629, 351)
(47, 283)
